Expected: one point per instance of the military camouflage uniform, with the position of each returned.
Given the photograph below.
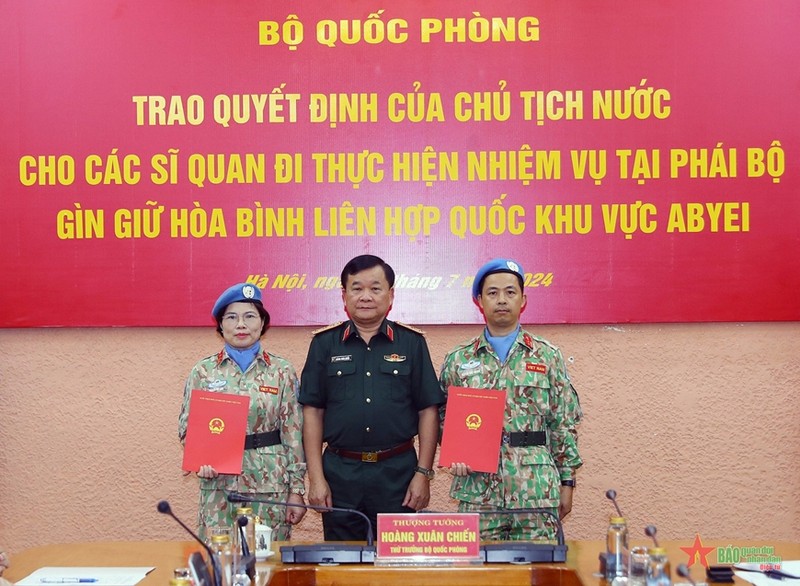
(539, 397)
(271, 472)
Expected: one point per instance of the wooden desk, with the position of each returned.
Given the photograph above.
(580, 568)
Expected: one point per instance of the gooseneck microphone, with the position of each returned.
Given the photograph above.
(651, 531)
(241, 523)
(236, 497)
(250, 561)
(683, 572)
(611, 495)
(525, 552)
(163, 507)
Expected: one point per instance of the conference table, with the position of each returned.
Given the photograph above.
(580, 568)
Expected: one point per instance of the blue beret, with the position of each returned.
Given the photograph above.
(496, 265)
(239, 292)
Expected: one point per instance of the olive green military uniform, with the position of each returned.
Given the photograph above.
(372, 394)
(539, 397)
(270, 472)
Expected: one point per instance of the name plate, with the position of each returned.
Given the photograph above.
(428, 538)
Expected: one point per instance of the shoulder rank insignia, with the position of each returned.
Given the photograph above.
(412, 328)
(326, 328)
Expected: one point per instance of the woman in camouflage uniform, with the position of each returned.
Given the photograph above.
(273, 466)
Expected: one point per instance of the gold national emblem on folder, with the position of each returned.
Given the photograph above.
(473, 421)
(216, 426)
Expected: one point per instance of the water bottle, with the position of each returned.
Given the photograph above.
(658, 570)
(638, 562)
(223, 557)
(617, 549)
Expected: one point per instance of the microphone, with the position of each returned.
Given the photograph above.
(236, 497)
(163, 507)
(650, 531)
(526, 552)
(247, 559)
(608, 560)
(683, 572)
(326, 553)
(242, 522)
(611, 495)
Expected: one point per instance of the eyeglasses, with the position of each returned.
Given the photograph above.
(250, 318)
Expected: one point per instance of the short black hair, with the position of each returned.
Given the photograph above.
(262, 311)
(364, 262)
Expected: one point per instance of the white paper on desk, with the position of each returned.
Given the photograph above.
(790, 567)
(105, 576)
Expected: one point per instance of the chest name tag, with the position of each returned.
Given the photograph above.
(270, 390)
(541, 368)
(345, 358)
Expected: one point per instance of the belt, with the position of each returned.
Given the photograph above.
(374, 456)
(520, 439)
(262, 440)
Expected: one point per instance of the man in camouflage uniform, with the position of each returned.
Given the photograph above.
(273, 466)
(539, 453)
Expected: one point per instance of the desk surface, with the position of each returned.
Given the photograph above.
(582, 562)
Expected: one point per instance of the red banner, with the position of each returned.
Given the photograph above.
(639, 159)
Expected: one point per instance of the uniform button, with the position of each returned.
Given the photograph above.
(368, 430)
(369, 400)
(394, 372)
(369, 373)
(338, 373)
(369, 349)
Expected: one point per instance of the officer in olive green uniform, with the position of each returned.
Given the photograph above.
(367, 388)
(273, 466)
(539, 452)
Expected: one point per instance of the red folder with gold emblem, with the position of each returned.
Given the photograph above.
(473, 428)
(215, 431)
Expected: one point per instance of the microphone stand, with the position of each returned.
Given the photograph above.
(248, 559)
(331, 552)
(164, 508)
